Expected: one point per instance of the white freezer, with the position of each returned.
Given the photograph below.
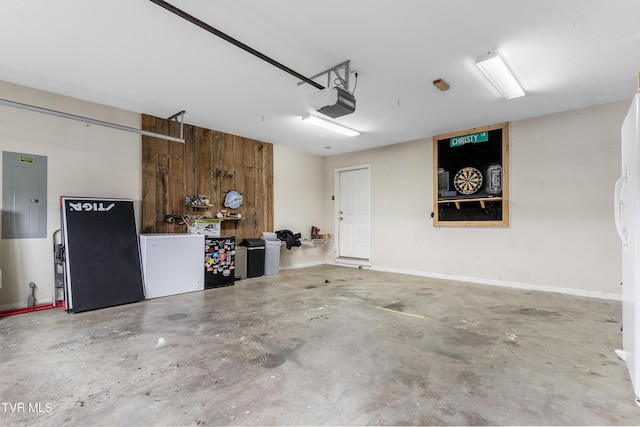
(627, 219)
(172, 263)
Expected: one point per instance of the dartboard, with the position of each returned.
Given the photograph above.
(468, 180)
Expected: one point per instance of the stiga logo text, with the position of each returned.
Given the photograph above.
(90, 207)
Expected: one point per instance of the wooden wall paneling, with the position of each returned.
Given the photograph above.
(252, 224)
(249, 224)
(258, 188)
(266, 176)
(247, 157)
(228, 167)
(177, 173)
(264, 185)
(162, 193)
(204, 176)
(216, 142)
(148, 224)
(244, 185)
(270, 207)
(162, 177)
(216, 167)
(176, 184)
(240, 146)
(226, 171)
(210, 163)
(227, 159)
(190, 161)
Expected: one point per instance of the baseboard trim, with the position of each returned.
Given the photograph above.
(452, 277)
(303, 265)
(19, 305)
(505, 283)
(493, 282)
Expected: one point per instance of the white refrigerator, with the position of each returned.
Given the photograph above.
(627, 220)
(172, 263)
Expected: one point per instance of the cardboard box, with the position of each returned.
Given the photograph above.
(208, 227)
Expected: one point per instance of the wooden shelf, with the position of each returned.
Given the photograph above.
(482, 201)
(312, 242)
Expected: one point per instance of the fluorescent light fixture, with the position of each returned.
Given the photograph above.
(497, 72)
(329, 125)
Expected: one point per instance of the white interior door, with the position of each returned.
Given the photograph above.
(354, 220)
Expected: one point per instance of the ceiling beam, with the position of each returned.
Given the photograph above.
(184, 15)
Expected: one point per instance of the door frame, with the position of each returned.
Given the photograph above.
(336, 211)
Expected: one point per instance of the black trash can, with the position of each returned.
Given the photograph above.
(255, 256)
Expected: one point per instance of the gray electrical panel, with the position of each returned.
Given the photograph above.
(24, 196)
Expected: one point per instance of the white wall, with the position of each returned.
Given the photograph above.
(83, 160)
(561, 235)
(299, 199)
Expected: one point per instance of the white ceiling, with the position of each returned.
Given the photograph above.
(135, 55)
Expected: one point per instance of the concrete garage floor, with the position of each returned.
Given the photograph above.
(292, 349)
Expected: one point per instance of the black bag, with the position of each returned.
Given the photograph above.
(289, 238)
